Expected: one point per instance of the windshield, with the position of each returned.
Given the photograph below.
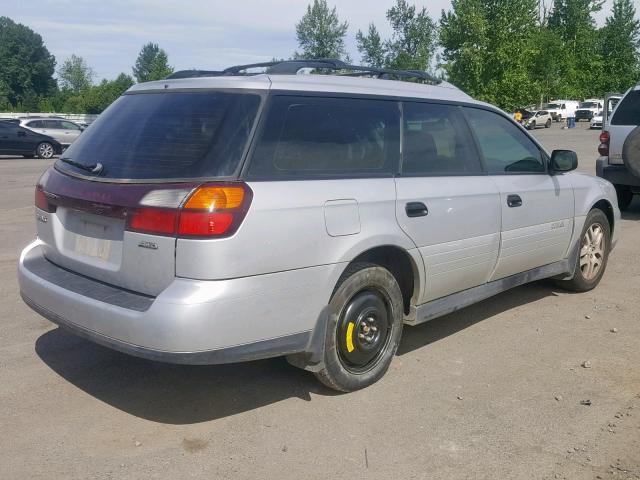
(554, 106)
(166, 135)
(588, 105)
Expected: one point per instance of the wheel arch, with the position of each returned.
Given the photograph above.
(402, 265)
(605, 206)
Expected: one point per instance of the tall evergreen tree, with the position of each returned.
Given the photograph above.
(320, 33)
(371, 47)
(152, 64)
(412, 43)
(620, 47)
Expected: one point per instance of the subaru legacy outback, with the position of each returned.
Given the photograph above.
(226, 216)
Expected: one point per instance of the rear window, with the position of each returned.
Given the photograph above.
(173, 135)
(627, 111)
(313, 136)
(588, 105)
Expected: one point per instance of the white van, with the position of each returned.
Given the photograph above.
(559, 109)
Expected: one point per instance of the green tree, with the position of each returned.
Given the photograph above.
(412, 43)
(489, 49)
(320, 33)
(26, 66)
(371, 48)
(620, 44)
(414, 37)
(582, 63)
(152, 64)
(75, 74)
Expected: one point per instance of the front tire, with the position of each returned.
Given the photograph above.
(364, 328)
(595, 243)
(532, 125)
(45, 150)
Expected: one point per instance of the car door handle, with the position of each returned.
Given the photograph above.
(416, 209)
(514, 201)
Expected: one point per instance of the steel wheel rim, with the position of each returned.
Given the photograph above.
(46, 150)
(592, 251)
(364, 330)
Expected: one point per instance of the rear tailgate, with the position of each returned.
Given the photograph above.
(83, 227)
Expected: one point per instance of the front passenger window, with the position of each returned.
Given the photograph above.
(505, 148)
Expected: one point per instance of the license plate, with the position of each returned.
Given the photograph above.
(93, 244)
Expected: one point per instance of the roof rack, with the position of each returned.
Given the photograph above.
(292, 67)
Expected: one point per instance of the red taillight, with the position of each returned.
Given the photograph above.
(603, 148)
(204, 224)
(154, 220)
(42, 202)
(211, 210)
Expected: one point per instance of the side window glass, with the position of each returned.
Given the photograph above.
(54, 124)
(35, 124)
(506, 149)
(437, 141)
(69, 126)
(314, 136)
(627, 111)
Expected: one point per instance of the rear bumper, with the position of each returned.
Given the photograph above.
(616, 174)
(190, 322)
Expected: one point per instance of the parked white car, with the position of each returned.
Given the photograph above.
(64, 131)
(540, 118)
(596, 121)
(216, 217)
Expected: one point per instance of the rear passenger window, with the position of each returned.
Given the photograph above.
(627, 111)
(314, 136)
(505, 148)
(36, 124)
(52, 124)
(437, 141)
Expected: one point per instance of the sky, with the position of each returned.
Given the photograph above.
(203, 34)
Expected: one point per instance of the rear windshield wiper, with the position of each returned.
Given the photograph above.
(93, 168)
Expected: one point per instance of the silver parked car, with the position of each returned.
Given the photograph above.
(218, 217)
(64, 131)
(619, 148)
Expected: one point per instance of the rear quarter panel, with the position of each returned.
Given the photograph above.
(290, 226)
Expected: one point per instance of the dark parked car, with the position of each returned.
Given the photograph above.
(17, 140)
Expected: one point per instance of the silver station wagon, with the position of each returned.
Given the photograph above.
(307, 211)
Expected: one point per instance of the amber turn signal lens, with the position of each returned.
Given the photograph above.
(215, 198)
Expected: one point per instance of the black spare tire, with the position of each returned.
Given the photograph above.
(631, 151)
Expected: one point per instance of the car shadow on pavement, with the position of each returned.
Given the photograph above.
(439, 328)
(633, 212)
(172, 394)
(187, 394)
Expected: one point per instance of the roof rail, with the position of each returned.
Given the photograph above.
(292, 67)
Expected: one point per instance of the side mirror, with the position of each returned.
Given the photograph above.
(563, 161)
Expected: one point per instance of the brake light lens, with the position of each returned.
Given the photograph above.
(42, 202)
(154, 220)
(603, 148)
(210, 211)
